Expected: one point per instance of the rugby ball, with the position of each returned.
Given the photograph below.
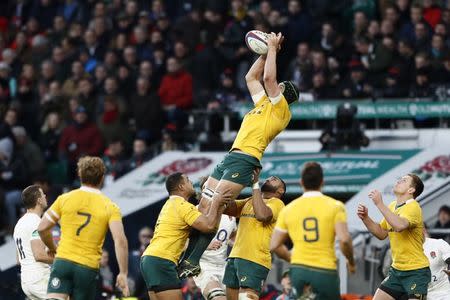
(256, 41)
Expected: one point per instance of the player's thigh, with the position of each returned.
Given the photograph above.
(415, 282)
(159, 274)
(238, 168)
(152, 295)
(230, 278)
(251, 275)
(61, 279)
(169, 295)
(85, 282)
(382, 295)
(38, 290)
(392, 285)
(232, 294)
(214, 290)
(324, 284)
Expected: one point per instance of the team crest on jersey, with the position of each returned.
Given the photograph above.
(55, 283)
(433, 254)
(235, 175)
(413, 287)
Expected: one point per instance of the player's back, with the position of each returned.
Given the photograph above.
(310, 221)
(84, 217)
(24, 232)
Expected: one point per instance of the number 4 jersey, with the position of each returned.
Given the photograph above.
(437, 252)
(84, 215)
(310, 221)
(24, 232)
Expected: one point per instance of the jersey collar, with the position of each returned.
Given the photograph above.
(90, 189)
(406, 202)
(312, 194)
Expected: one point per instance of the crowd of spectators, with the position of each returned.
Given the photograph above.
(118, 78)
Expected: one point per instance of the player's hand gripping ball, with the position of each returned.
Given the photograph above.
(257, 41)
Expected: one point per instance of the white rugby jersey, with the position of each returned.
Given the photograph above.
(219, 256)
(24, 232)
(437, 252)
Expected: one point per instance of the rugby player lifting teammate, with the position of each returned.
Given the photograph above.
(260, 126)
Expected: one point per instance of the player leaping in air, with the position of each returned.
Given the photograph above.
(260, 126)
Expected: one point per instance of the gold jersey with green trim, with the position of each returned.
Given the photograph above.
(84, 215)
(261, 125)
(172, 229)
(407, 245)
(310, 222)
(253, 237)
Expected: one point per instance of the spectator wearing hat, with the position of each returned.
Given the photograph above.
(356, 85)
(226, 95)
(80, 138)
(287, 291)
(443, 222)
(392, 87)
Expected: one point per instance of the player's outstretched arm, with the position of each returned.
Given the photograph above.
(121, 249)
(263, 213)
(270, 68)
(373, 227)
(253, 79)
(398, 223)
(208, 222)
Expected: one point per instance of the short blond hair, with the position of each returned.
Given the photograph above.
(91, 170)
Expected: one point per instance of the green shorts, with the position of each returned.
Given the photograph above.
(159, 274)
(242, 273)
(324, 283)
(70, 278)
(237, 168)
(413, 283)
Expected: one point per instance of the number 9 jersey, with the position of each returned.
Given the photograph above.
(310, 221)
(84, 215)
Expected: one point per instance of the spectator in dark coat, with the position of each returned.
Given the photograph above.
(393, 88)
(300, 67)
(299, 26)
(443, 222)
(416, 16)
(78, 139)
(31, 153)
(404, 62)
(421, 87)
(50, 135)
(356, 86)
(141, 155)
(114, 158)
(146, 110)
(421, 37)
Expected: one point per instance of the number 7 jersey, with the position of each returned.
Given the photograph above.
(310, 221)
(84, 215)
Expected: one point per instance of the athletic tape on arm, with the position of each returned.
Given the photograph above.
(215, 292)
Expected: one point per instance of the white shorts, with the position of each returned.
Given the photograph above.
(210, 273)
(36, 290)
(438, 295)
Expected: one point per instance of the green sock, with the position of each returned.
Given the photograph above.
(197, 245)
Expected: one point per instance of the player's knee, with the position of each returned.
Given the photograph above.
(215, 294)
(248, 295)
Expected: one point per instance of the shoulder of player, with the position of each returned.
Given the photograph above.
(276, 201)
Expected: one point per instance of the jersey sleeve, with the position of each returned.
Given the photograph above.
(444, 248)
(116, 215)
(384, 224)
(54, 212)
(276, 206)
(281, 221)
(259, 98)
(413, 214)
(188, 212)
(341, 214)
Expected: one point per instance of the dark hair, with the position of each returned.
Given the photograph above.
(445, 209)
(172, 182)
(284, 185)
(417, 184)
(312, 176)
(30, 195)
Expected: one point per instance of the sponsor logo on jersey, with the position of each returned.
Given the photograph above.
(244, 278)
(235, 175)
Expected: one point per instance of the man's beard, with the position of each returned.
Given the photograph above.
(268, 188)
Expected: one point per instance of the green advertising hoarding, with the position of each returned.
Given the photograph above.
(345, 172)
(324, 110)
